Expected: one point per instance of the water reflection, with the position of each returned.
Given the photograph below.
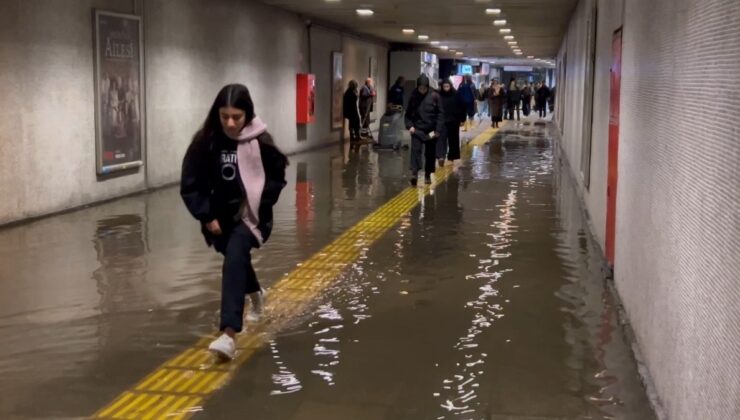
(458, 394)
(121, 247)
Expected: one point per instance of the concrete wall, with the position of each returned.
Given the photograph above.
(47, 126)
(678, 227)
(192, 48)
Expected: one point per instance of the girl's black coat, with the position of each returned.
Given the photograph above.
(200, 169)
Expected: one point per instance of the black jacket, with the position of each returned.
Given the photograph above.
(351, 110)
(514, 97)
(454, 107)
(395, 95)
(542, 95)
(200, 169)
(425, 112)
(526, 93)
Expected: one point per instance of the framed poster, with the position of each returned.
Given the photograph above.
(119, 96)
(373, 74)
(337, 90)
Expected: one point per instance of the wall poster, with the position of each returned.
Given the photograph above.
(373, 74)
(337, 90)
(119, 96)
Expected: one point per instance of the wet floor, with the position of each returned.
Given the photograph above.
(485, 302)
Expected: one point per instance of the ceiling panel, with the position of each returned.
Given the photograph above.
(537, 25)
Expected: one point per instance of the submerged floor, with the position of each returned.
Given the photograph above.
(486, 301)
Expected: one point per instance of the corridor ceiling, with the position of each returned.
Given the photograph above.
(537, 26)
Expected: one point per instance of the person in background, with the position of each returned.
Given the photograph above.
(367, 98)
(551, 100)
(541, 96)
(468, 93)
(232, 176)
(425, 121)
(395, 93)
(496, 100)
(454, 116)
(352, 112)
(526, 99)
(482, 101)
(514, 99)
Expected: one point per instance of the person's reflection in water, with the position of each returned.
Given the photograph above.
(304, 205)
(365, 176)
(120, 246)
(349, 174)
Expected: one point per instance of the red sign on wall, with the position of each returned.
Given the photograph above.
(305, 98)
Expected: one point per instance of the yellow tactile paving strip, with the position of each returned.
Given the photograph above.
(178, 388)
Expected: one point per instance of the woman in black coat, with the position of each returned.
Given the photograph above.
(496, 100)
(514, 100)
(541, 96)
(352, 111)
(232, 176)
(455, 113)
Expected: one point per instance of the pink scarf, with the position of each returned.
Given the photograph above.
(249, 158)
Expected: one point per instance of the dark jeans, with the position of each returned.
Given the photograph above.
(526, 108)
(470, 109)
(238, 277)
(449, 143)
(543, 111)
(511, 113)
(429, 148)
(354, 129)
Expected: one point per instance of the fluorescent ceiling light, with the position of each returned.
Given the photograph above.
(365, 12)
(509, 37)
(499, 22)
(518, 53)
(459, 53)
(513, 43)
(444, 47)
(504, 31)
(493, 11)
(530, 56)
(423, 37)
(408, 31)
(434, 42)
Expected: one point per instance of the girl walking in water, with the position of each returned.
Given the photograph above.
(232, 176)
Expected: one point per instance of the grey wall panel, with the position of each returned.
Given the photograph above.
(678, 227)
(192, 49)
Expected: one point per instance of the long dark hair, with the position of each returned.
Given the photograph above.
(234, 95)
(353, 86)
(237, 96)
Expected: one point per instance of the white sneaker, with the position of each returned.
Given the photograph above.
(223, 347)
(257, 307)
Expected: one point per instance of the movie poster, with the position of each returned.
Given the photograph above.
(337, 89)
(373, 74)
(119, 94)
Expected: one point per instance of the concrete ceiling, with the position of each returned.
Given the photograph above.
(463, 25)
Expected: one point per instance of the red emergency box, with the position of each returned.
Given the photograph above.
(305, 98)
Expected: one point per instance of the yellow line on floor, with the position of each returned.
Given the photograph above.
(180, 385)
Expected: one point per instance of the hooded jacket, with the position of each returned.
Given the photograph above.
(425, 112)
(468, 92)
(454, 106)
(200, 172)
